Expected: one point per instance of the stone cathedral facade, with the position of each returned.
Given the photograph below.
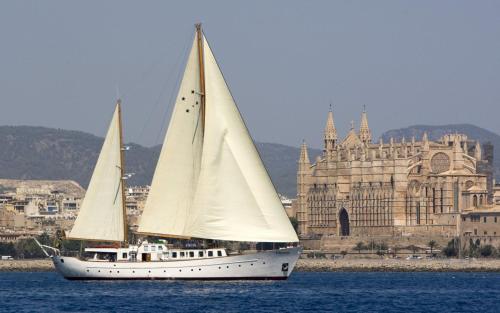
(410, 187)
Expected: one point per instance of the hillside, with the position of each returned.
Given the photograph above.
(46, 153)
(436, 132)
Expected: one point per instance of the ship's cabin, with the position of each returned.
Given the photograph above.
(150, 252)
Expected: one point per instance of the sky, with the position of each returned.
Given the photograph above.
(63, 63)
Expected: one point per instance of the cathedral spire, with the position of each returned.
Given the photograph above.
(425, 140)
(330, 132)
(304, 155)
(364, 130)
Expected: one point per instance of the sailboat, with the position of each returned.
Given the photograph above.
(209, 183)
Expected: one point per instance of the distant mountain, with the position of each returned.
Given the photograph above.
(281, 163)
(45, 153)
(436, 132)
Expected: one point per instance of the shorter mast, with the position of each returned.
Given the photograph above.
(122, 170)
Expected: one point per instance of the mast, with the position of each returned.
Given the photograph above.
(199, 36)
(122, 175)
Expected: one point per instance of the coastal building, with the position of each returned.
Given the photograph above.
(411, 187)
(481, 226)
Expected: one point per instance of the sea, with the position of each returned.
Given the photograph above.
(303, 292)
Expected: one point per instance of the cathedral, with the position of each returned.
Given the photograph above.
(410, 187)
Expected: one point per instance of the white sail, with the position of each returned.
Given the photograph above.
(230, 197)
(176, 175)
(101, 212)
(235, 198)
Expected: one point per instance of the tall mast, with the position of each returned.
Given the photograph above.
(199, 36)
(122, 175)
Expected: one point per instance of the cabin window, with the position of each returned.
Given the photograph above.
(124, 255)
(181, 254)
(200, 254)
(191, 254)
(160, 248)
(153, 248)
(210, 253)
(174, 254)
(146, 248)
(219, 253)
(165, 254)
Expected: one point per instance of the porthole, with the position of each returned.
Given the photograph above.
(99, 271)
(110, 271)
(114, 265)
(251, 264)
(187, 110)
(192, 91)
(133, 271)
(149, 271)
(227, 266)
(183, 98)
(180, 270)
(118, 271)
(191, 270)
(164, 271)
(219, 267)
(263, 262)
(87, 271)
(199, 269)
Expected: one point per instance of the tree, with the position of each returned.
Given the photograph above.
(450, 249)
(359, 246)
(7, 249)
(383, 246)
(486, 250)
(413, 248)
(432, 244)
(474, 248)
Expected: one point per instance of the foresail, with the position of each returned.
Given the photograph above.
(176, 175)
(101, 213)
(235, 198)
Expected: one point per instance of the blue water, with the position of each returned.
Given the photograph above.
(303, 292)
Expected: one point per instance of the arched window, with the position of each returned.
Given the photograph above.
(481, 200)
(418, 213)
(441, 202)
(474, 201)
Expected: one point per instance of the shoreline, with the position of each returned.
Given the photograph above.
(323, 265)
(398, 265)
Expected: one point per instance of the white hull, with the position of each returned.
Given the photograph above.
(275, 264)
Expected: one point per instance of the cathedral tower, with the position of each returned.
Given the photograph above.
(303, 177)
(365, 134)
(330, 133)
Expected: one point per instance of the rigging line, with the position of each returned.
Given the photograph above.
(184, 57)
(155, 106)
(155, 64)
(170, 73)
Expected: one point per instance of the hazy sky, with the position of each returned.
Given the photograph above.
(409, 62)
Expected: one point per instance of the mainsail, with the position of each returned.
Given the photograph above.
(210, 181)
(101, 215)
